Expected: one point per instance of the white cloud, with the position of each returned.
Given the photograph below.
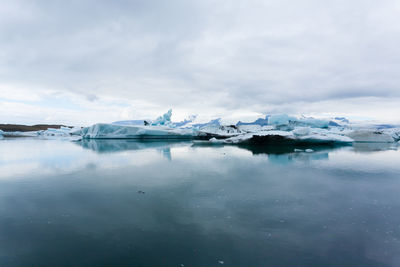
(133, 58)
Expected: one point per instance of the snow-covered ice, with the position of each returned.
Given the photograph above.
(371, 136)
(272, 129)
(164, 120)
(51, 132)
(103, 131)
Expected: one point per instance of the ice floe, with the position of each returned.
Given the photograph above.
(111, 131)
(52, 132)
(270, 130)
(273, 129)
(371, 136)
(49, 133)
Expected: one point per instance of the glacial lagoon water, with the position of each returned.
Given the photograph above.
(127, 203)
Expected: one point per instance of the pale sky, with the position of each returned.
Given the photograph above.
(80, 62)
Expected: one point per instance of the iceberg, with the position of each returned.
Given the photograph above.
(165, 119)
(162, 120)
(216, 122)
(259, 121)
(342, 119)
(249, 128)
(130, 122)
(228, 130)
(52, 132)
(371, 136)
(274, 129)
(48, 133)
(190, 119)
(281, 119)
(315, 123)
(111, 131)
(301, 131)
(394, 133)
(286, 120)
(297, 136)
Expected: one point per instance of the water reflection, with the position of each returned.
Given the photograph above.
(118, 145)
(208, 204)
(373, 147)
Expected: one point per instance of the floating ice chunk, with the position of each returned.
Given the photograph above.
(298, 150)
(300, 131)
(308, 150)
(250, 128)
(62, 132)
(79, 131)
(164, 119)
(267, 128)
(284, 119)
(319, 136)
(393, 132)
(102, 130)
(370, 136)
(216, 141)
(316, 123)
(325, 138)
(342, 119)
(259, 121)
(190, 119)
(339, 122)
(243, 138)
(216, 122)
(230, 130)
(335, 124)
(281, 119)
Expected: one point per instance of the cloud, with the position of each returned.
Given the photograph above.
(204, 57)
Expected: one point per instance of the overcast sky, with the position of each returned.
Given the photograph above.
(86, 61)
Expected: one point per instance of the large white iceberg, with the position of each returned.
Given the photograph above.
(274, 129)
(281, 119)
(371, 136)
(164, 120)
(49, 133)
(284, 119)
(297, 136)
(186, 121)
(104, 131)
(52, 132)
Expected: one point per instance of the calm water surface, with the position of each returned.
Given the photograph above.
(124, 203)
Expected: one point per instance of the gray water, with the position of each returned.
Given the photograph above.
(126, 203)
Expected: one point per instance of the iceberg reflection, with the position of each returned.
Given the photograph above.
(118, 145)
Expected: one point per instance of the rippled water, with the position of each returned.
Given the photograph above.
(125, 203)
